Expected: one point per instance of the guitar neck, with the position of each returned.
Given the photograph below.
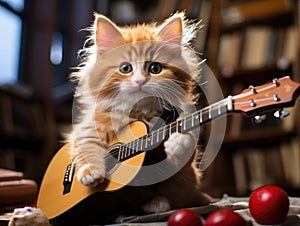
(182, 125)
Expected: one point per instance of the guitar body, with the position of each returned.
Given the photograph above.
(65, 203)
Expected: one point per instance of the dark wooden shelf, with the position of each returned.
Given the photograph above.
(232, 25)
(258, 138)
(281, 20)
(21, 141)
(255, 76)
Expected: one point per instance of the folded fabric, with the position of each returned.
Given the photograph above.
(16, 191)
(239, 204)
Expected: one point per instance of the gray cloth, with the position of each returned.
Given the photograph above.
(238, 204)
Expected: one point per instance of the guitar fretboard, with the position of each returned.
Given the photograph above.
(182, 125)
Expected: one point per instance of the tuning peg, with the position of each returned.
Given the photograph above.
(259, 118)
(281, 113)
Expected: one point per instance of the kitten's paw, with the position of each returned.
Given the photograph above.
(179, 144)
(157, 205)
(90, 174)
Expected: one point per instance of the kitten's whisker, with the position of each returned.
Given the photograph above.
(174, 91)
(178, 82)
(169, 98)
(160, 99)
(165, 90)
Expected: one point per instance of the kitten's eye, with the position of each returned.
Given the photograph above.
(155, 68)
(125, 68)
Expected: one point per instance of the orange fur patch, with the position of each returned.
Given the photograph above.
(142, 32)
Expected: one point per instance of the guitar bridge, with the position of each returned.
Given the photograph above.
(68, 178)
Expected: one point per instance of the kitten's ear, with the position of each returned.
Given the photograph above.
(171, 30)
(107, 34)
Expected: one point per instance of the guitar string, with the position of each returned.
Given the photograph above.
(256, 101)
(250, 92)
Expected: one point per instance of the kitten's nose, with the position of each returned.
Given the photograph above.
(140, 82)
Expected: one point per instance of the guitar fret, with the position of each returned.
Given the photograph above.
(146, 142)
(151, 142)
(127, 150)
(122, 153)
(132, 148)
(125, 153)
(193, 120)
(138, 146)
(142, 144)
(197, 119)
(119, 154)
(201, 117)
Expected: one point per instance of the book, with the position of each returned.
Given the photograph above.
(204, 16)
(257, 170)
(229, 52)
(291, 43)
(255, 49)
(251, 11)
(240, 172)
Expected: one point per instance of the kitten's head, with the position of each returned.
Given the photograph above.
(148, 61)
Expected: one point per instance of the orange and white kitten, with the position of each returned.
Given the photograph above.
(134, 73)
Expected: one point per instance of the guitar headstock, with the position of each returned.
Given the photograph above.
(274, 95)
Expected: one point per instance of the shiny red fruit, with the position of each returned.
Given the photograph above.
(224, 217)
(269, 205)
(185, 217)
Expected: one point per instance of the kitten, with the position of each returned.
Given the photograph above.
(134, 73)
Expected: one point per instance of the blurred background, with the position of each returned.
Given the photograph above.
(245, 42)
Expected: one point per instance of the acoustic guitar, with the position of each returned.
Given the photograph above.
(64, 199)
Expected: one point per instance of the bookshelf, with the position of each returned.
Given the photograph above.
(21, 133)
(251, 43)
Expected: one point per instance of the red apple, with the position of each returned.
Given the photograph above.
(223, 217)
(185, 217)
(269, 204)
